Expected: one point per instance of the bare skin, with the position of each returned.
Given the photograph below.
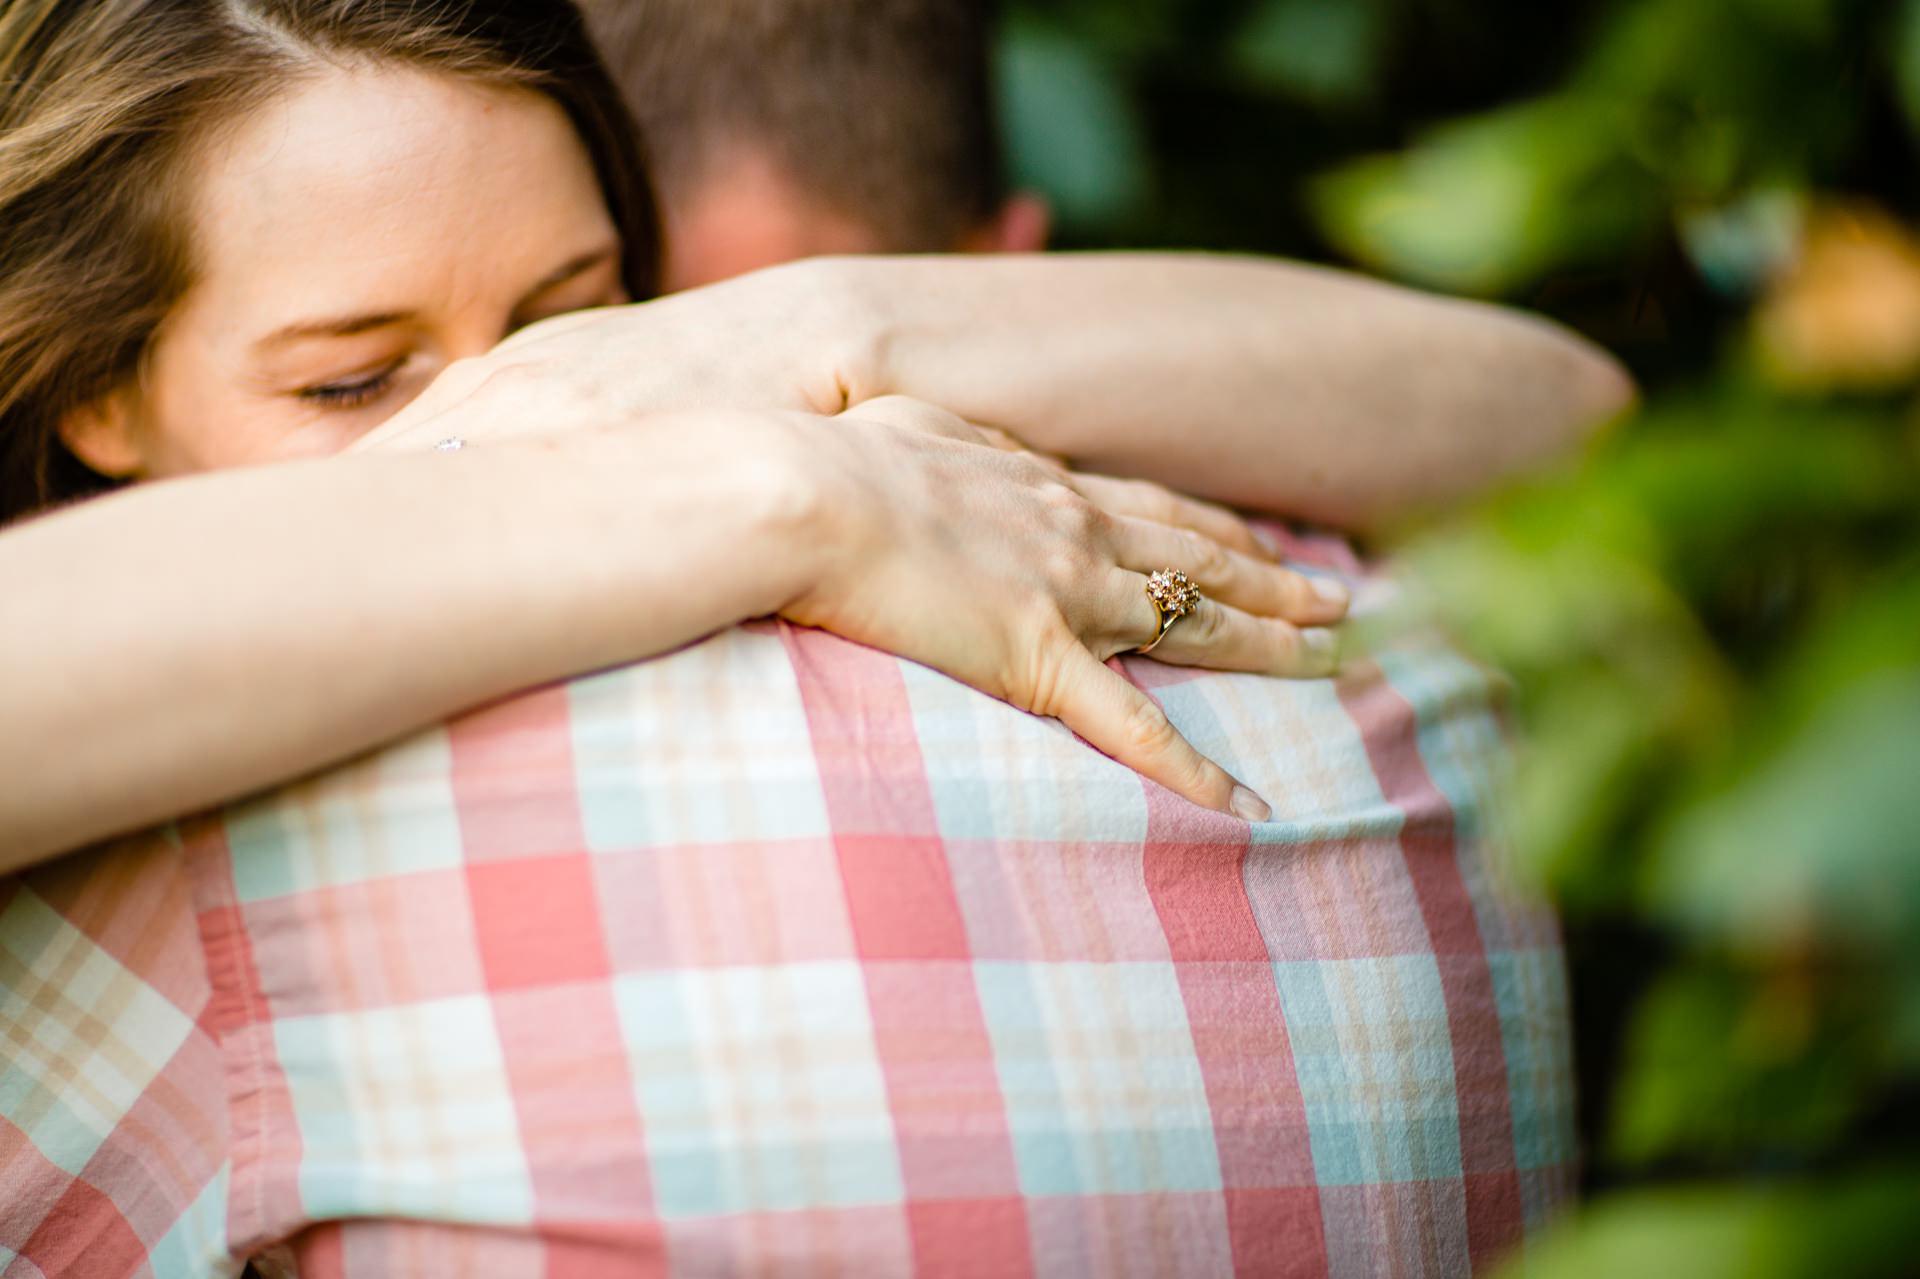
(1275, 387)
(189, 642)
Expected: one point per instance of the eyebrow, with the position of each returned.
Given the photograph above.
(352, 325)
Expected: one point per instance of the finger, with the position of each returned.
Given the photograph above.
(1119, 720)
(1147, 501)
(1229, 576)
(1222, 638)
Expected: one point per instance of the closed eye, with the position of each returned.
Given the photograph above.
(352, 393)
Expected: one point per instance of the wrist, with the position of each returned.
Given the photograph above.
(801, 510)
(850, 326)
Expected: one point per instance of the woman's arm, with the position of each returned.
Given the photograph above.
(1268, 385)
(1272, 386)
(185, 642)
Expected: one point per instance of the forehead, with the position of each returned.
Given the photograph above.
(412, 181)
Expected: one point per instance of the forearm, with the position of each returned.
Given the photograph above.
(188, 642)
(1272, 386)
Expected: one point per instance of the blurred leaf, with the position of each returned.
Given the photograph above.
(1126, 29)
(1824, 836)
(1590, 743)
(1905, 45)
(1727, 478)
(1488, 204)
(1712, 43)
(1557, 586)
(1721, 1062)
(1903, 1028)
(1324, 51)
(1072, 129)
(1717, 95)
(1861, 1228)
(1816, 841)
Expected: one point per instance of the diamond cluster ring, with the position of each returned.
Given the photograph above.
(1173, 596)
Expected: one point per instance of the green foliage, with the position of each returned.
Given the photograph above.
(1713, 620)
(1487, 203)
(1862, 1225)
(1071, 124)
(1324, 51)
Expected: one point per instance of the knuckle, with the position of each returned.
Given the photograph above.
(1074, 515)
(1284, 646)
(1043, 686)
(900, 410)
(1051, 490)
(1296, 593)
(1065, 565)
(1147, 728)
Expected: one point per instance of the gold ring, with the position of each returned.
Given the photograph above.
(1173, 596)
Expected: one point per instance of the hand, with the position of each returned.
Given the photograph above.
(1139, 499)
(783, 338)
(989, 565)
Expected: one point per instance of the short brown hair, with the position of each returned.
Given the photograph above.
(883, 109)
(99, 101)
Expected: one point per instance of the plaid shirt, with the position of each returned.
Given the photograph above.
(780, 955)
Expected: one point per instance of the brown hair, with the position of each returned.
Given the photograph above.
(99, 100)
(881, 108)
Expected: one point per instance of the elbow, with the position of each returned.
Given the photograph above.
(1600, 392)
(1612, 392)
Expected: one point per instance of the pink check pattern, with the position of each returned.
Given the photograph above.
(783, 956)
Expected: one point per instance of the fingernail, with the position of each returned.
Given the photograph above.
(1330, 589)
(1247, 806)
(1269, 542)
(1321, 644)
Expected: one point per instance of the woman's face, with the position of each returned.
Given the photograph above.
(350, 241)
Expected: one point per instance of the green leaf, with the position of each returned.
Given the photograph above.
(1812, 839)
(1323, 51)
(1485, 205)
(1072, 129)
(1724, 1062)
(1819, 843)
(1860, 1228)
(1905, 51)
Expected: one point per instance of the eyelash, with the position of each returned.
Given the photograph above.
(364, 391)
(350, 395)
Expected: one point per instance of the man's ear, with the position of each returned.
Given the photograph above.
(1022, 225)
(105, 435)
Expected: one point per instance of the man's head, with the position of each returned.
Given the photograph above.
(781, 129)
